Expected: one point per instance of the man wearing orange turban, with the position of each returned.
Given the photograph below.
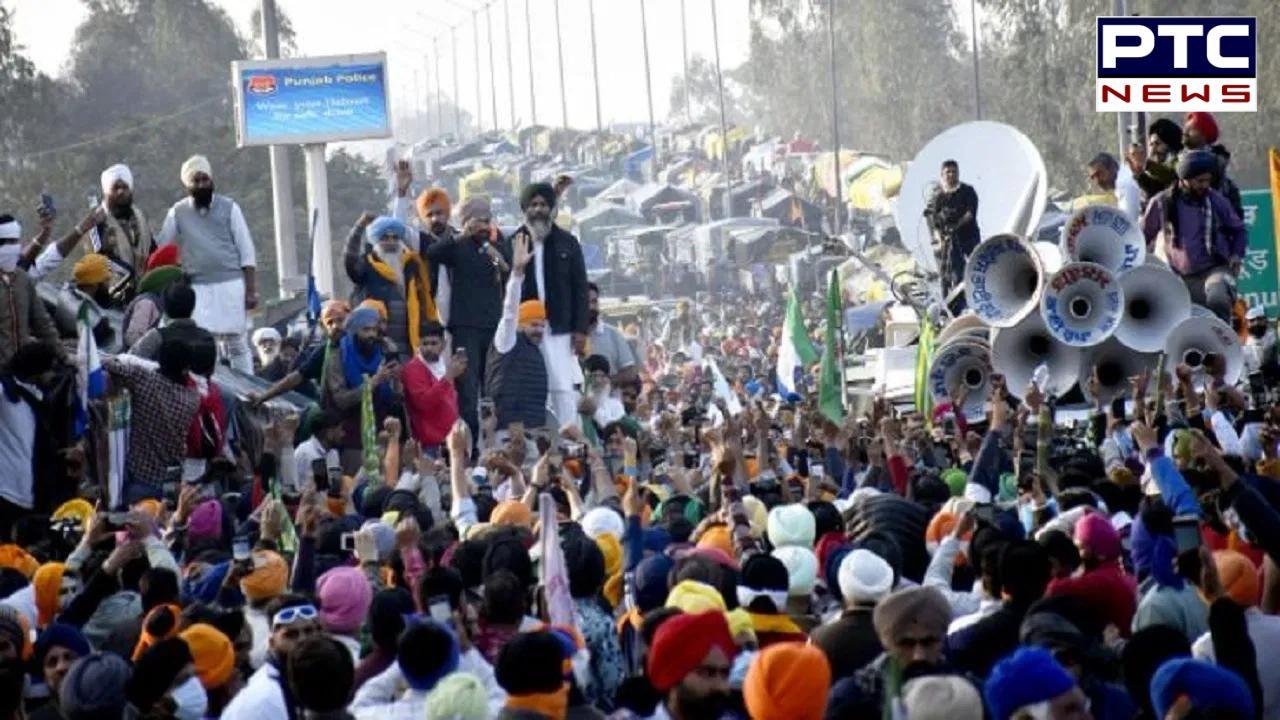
(788, 680)
(47, 583)
(517, 374)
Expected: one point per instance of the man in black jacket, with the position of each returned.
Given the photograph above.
(476, 264)
(559, 280)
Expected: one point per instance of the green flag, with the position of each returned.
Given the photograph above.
(369, 435)
(924, 354)
(831, 380)
(797, 350)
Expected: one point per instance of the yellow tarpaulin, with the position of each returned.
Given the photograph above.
(873, 187)
(824, 169)
(485, 181)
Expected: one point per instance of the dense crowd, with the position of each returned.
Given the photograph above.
(483, 500)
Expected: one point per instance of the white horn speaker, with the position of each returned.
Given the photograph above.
(1002, 279)
(1155, 301)
(1050, 256)
(1016, 352)
(957, 364)
(1197, 337)
(1102, 234)
(1114, 363)
(1081, 304)
(961, 325)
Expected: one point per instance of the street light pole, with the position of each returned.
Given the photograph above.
(435, 50)
(564, 105)
(648, 90)
(595, 68)
(835, 114)
(684, 58)
(457, 98)
(493, 80)
(977, 83)
(475, 39)
(281, 183)
(528, 33)
(724, 133)
(511, 78)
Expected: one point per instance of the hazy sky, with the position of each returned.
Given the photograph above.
(404, 28)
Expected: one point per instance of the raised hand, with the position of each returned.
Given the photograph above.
(521, 252)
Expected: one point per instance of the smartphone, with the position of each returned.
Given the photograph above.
(816, 470)
(440, 609)
(575, 450)
(320, 474)
(240, 550)
(1186, 532)
(46, 204)
(347, 542)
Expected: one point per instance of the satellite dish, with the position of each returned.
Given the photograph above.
(1001, 164)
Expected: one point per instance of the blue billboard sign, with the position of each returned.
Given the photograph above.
(311, 100)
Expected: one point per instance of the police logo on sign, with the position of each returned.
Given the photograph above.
(1177, 64)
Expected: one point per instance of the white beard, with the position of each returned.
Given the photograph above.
(392, 260)
(540, 228)
(267, 357)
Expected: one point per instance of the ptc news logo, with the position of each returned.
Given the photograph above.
(1182, 64)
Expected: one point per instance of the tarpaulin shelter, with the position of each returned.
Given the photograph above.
(600, 215)
(485, 181)
(616, 194)
(790, 209)
(645, 198)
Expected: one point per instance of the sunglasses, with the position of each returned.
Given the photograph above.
(293, 614)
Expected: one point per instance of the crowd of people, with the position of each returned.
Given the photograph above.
(496, 504)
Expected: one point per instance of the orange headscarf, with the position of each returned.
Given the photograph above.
(13, 556)
(269, 578)
(47, 583)
(159, 624)
(788, 680)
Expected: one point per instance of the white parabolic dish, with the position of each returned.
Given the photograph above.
(1001, 164)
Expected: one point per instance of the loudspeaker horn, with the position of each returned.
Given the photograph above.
(1002, 279)
(1016, 352)
(1081, 304)
(1114, 363)
(961, 363)
(1155, 301)
(1104, 235)
(1050, 256)
(961, 325)
(1197, 337)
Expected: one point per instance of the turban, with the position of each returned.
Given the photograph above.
(47, 583)
(611, 549)
(899, 610)
(511, 512)
(460, 696)
(384, 224)
(205, 520)
(1205, 123)
(159, 624)
(691, 596)
(14, 557)
(864, 577)
(266, 333)
(530, 311)
(426, 638)
(195, 164)
(1027, 677)
(164, 256)
(212, 652)
(334, 309)
(10, 229)
(150, 507)
(63, 636)
(828, 543)
(534, 190)
(757, 515)
(1238, 575)
(383, 535)
(345, 595)
(155, 671)
(651, 581)
(599, 520)
(740, 623)
(378, 305)
(940, 525)
(475, 207)
(268, 579)
(683, 642)
(361, 318)
(802, 569)
(942, 697)
(717, 537)
(95, 687)
(92, 269)
(1194, 163)
(1168, 132)
(430, 198)
(112, 174)
(791, 525)
(1206, 685)
(788, 680)
(1095, 533)
(956, 479)
(13, 626)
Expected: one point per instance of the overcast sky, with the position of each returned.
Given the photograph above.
(404, 28)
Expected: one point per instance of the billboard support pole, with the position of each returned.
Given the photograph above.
(318, 210)
(281, 188)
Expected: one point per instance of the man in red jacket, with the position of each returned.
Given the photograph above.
(431, 399)
(1104, 584)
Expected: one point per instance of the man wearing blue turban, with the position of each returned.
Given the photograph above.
(386, 270)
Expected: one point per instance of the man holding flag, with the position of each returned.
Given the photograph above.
(797, 351)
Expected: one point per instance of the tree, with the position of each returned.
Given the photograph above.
(704, 94)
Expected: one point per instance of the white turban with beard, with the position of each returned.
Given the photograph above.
(116, 172)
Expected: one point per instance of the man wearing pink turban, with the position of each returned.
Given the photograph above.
(344, 596)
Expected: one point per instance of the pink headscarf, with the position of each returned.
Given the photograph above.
(1095, 533)
(345, 595)
(206, 521)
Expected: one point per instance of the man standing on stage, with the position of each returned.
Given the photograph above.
(953, 219)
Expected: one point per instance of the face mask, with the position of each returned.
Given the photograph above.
(191, 700)
(9, 253)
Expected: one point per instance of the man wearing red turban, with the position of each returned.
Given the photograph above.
(689, 665)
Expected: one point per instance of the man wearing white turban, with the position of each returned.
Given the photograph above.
(120, 231)
(218, 255)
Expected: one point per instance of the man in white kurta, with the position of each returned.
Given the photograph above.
(216, 252)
